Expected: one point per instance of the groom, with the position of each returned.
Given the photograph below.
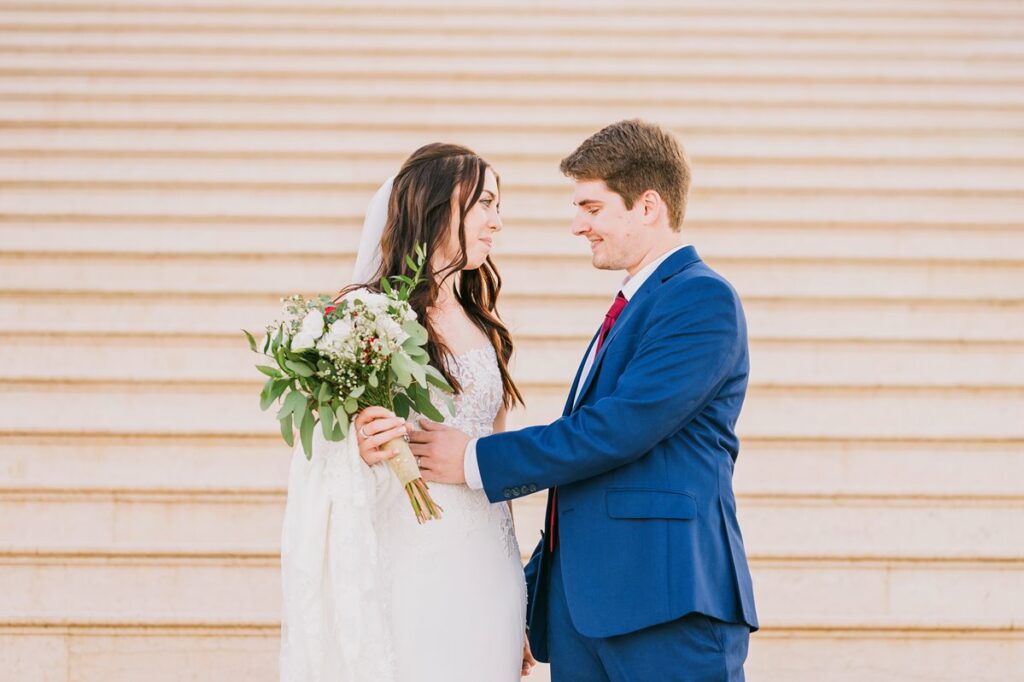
(640, 574)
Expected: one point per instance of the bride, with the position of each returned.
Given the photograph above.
(368, 593)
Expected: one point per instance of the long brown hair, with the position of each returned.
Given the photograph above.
(420, 212)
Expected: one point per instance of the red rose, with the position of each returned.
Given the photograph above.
(329, 309)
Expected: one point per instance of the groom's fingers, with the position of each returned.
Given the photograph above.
(428, 425)
(420, 437)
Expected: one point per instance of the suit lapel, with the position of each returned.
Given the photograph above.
(672, 265)
(571, 400)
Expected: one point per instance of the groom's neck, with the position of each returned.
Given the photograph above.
(656, 251)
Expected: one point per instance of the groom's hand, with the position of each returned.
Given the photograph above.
(440, 451)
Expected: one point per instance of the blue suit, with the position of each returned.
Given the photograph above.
(643, 461)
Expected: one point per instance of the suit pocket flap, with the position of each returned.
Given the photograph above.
(650, 504)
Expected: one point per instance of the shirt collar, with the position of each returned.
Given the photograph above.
(631, 285)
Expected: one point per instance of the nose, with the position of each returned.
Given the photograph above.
(579, 225)
(496, 223)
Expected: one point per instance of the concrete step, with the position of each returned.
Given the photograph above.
(337, 202)
(222, 409)
(728, 66)
(181, 524)
(340, 90)
(959, 471)
(541, 8)
(417, 20)
(546, 144)
(883, 656)
(50, 310)
(212, 653)
(285, 274)
(696, 117)
(142, 236)
(63, 588)
(537, 361)
(516, 175)
(128, 653)
(96, 39)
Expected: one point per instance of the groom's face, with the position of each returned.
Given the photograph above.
(615, 232)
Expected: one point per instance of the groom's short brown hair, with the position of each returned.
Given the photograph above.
(631, 157)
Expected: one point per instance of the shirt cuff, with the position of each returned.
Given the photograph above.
(471, 468)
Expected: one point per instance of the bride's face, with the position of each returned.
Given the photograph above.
(482, 221)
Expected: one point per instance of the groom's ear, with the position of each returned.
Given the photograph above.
(652, 207)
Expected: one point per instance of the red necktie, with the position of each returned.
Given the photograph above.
(609, 321)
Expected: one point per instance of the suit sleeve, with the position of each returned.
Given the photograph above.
(686, 354)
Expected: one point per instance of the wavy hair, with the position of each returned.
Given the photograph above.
(420, 212)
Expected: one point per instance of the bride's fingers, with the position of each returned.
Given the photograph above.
(375, 441)
(370, 414)
(379, 425)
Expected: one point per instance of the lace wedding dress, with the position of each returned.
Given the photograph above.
(370, 594)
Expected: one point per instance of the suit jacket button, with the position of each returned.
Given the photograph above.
(507, 492)
(533, 487)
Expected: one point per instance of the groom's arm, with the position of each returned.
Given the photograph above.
(685, 356)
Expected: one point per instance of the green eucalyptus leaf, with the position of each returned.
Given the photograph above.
(252, 341)
(324, 394)
(402, 374)
(327, 422)
(279, 387)
(417, 333)
(350, 405)
(287, 432)
(402, 405)
(306, 433)
(266, 400)
(301, 406)
(437, 379)
(358, 391)
(292, 402)
(341, 421)
(299, 367)
(269, 371)
(373, 380)
(427, 409)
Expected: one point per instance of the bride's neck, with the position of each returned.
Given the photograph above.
(446, 299)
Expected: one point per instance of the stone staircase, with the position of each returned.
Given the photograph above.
(169, 170)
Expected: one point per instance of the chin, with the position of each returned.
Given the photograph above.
(475, 263)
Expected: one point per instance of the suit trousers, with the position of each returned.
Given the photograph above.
(694, 648)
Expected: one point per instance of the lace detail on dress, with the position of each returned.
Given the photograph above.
(475, 410)
(348, 533)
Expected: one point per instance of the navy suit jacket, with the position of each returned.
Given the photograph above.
(643, 462)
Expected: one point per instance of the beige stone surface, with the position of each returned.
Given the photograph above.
(169, 170)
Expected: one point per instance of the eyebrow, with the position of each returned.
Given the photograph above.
(487, 191)
(586, 202)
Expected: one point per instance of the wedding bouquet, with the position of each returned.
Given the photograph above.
(333, 359)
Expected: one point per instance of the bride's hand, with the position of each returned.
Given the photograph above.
(374, 427)
(528, 660)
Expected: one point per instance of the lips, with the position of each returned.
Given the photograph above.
(488, 241)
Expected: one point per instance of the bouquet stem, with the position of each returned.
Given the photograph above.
(404, 466)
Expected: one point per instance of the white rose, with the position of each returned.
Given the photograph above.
(302, 341)
(390, 329)
(341, 328)
(312, 325)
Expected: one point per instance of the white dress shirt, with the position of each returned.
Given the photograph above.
(630, 285)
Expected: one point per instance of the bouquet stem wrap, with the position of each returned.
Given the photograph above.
(408, 472)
